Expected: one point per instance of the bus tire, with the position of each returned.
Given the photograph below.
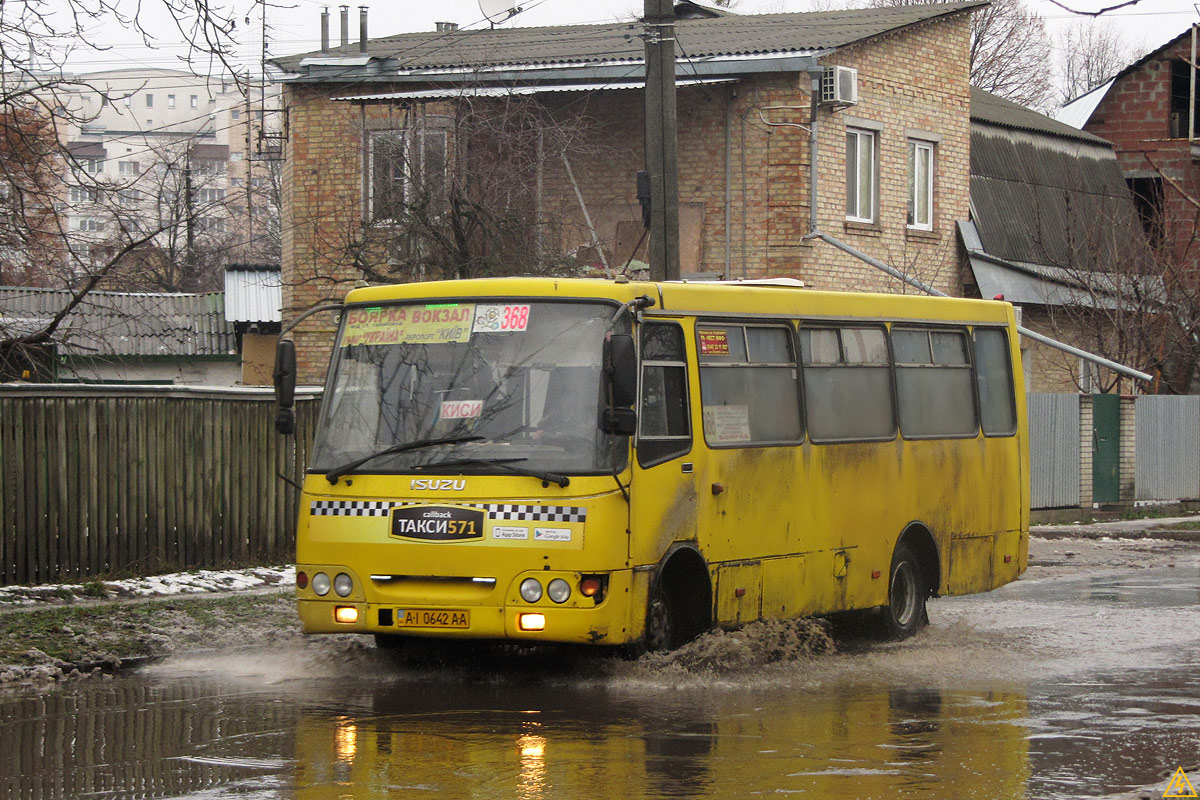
(388, 641)
(662, 621)
(905, 612)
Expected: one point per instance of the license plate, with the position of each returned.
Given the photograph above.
(432, 618)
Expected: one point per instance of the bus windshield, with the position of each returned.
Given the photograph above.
(519, 383)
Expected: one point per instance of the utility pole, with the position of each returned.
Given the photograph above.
(661, 160)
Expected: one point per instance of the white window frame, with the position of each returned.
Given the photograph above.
(862, 139)
(915, 208)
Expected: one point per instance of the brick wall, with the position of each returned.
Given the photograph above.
(911, 83)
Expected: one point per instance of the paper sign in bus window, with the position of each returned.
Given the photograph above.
(501, 319)
(713, 343)
(409, 325)
(723, 424)
(461, 409)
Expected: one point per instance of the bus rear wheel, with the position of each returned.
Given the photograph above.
(905, 612)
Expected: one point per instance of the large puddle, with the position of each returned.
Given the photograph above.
(1074, 688)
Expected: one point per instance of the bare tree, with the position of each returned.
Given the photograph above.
(1009, 50)
(1091, 52)
(37, 96)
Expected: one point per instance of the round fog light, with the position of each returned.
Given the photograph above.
(558, 590)
(320, 584)
(343, 585)
(531, 590)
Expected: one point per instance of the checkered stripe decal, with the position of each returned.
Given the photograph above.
(350, 508)
(537, 513)
(496, 511)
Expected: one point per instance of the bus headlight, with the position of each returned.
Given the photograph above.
(343, 585)
(531, 590)
(558, 590)
(320, 584)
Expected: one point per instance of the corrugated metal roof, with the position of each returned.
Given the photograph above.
(123, 323)
(698, 39)
(987, 107)
(1042, 198)
(253, 295)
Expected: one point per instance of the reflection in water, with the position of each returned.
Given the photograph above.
(462, 735)
(532, 782)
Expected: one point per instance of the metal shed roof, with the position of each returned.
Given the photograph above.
(122, 323)
(253, 294)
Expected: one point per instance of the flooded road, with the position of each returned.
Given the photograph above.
(1059, 686)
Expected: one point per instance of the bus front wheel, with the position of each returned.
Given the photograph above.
(662, 622)
(905, 612)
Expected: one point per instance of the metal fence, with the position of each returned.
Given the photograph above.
(1053, 450)
(1167, 452)
(100, 480)
(1161, 447)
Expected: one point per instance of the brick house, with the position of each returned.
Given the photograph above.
(1144, 112)
(893, 167)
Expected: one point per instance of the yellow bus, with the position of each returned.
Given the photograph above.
(625, 463)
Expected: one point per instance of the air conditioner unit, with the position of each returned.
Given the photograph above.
(839, 86)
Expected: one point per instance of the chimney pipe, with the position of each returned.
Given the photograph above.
(362, 30)
(345, 25)
(325, 29)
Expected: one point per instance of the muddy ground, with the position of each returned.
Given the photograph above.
(75, 633)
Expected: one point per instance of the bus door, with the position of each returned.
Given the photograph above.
(663, 505)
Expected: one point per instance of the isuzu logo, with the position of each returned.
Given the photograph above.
(437, 485)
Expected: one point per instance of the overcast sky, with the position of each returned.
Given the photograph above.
(294, 25)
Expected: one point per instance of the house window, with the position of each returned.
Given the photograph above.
(236, 114)
(170, 101)
(1181, 90)
(920, 185)
(860, 175)
(195, 101)
(149, 101)
(1148, 200)
(405, 167)
(128, 169)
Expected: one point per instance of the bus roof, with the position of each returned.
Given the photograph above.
(705, 298)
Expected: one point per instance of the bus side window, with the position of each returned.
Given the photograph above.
(749, 385)
(933, 383)
(664, 425)
(847, 384)
(994, 378)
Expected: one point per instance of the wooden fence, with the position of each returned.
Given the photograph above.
(108, 481)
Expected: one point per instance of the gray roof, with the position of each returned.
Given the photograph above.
(722, 36)
(987, 107)
(122, 323)
(1049, 198)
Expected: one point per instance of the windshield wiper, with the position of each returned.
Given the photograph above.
(336, 473)
(504, 464)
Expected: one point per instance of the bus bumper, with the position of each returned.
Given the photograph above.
(605, 623)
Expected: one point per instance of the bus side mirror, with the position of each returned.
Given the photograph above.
(285, 386)
(621, 364)
(620, 370)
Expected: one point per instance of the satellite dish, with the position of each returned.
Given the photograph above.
(498, 11)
